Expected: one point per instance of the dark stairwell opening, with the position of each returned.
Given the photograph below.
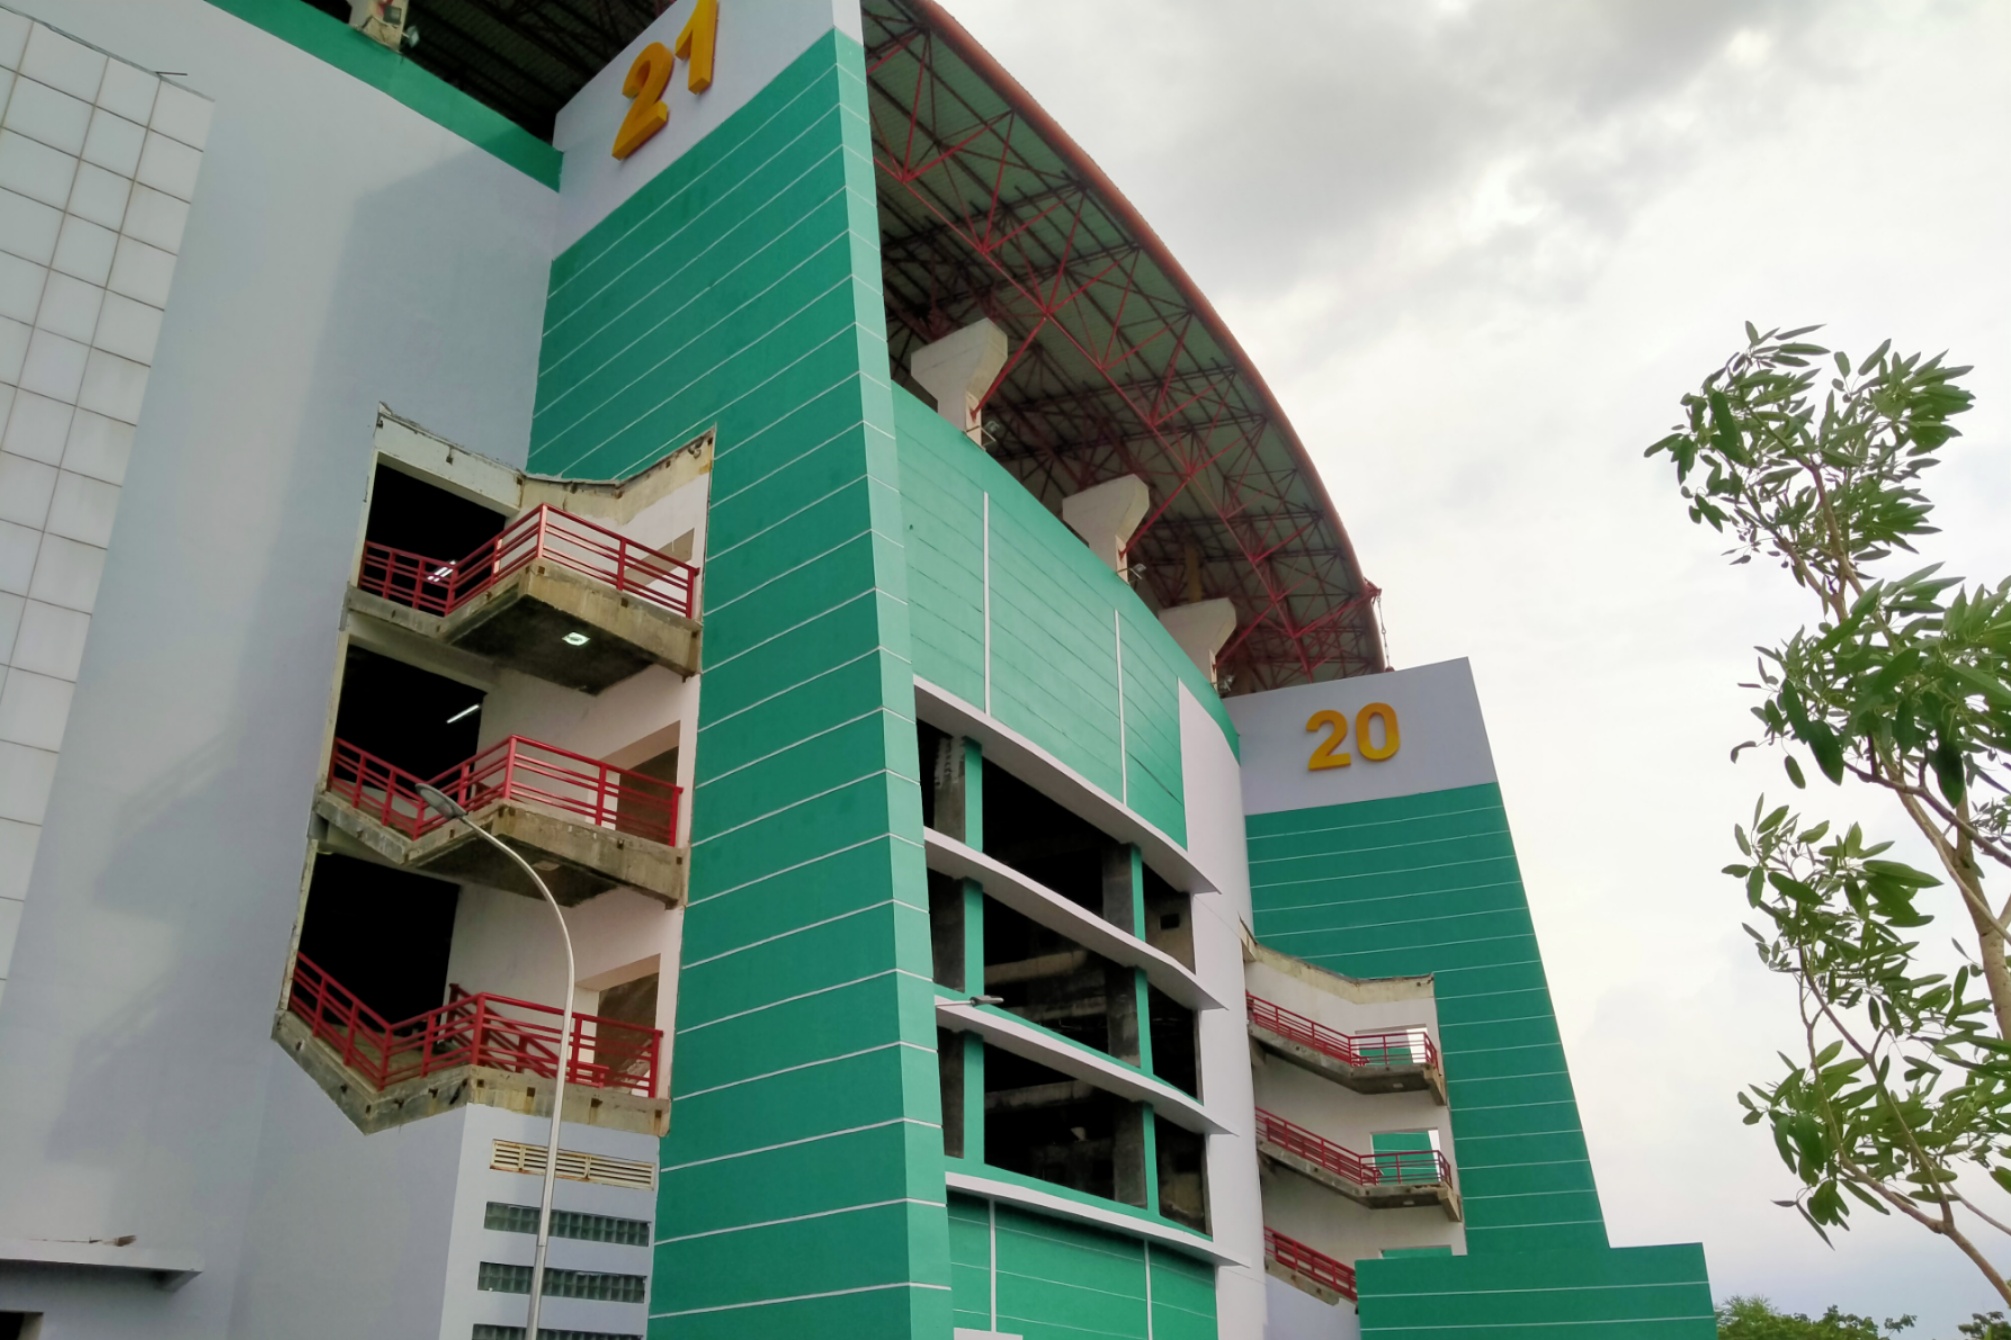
(1048, 979)
(411, 718)
(1044, 841)
(419, 517)
(383, 934)
(1042, 1124)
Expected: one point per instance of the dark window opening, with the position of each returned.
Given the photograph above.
(409, 513)
(950, 1074)
(1183, 1175)
(929, 746)
(1173, 1043)
(1169, 920)
(1040, 1123)
(622, 1050)
(411, 718)
(946, 930)
(524, 61)
(1047, 979)
(384, 934)
(640, 810)
(14, 1325)
(1044, 841)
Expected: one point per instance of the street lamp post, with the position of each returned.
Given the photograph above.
(445, 805)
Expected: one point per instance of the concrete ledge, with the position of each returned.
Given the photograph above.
(1303, 1283)
(1360, 1079)
(372, 1110)
(1042, 905)
(1063, 1207)
(578, 860)
(1009, 1032)
(170, 1267)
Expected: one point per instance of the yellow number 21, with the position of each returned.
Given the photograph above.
(650, 75)
(1329, 754)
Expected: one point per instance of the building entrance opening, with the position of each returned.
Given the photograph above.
(408, 717)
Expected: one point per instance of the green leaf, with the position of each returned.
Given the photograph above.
(1795, 772)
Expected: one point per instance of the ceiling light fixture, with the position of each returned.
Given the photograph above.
(467, 711)
(576, 639)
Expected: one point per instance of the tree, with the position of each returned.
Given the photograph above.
(1751, 1318)
(1903, 684)
(1986, 1326)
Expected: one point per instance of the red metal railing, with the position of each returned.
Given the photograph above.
(514, 769)
(519, 1036)
(443, 585)
(1295, 1255)
(1395, 1047)
(1409, 1167)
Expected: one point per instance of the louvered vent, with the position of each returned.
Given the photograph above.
(575, 1166)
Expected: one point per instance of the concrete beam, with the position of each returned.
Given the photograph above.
(958, 369)
(1106, 515)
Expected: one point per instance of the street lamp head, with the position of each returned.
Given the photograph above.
(441, 803)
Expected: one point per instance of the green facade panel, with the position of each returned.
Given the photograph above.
(1046, 1279)
(1056, 618)
(1609, 1294)
(801, 1189)
(1429, 884)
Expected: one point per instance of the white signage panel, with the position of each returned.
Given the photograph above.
(1402, 733)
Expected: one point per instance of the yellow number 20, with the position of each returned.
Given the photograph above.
(1329, 753)
(650, 75)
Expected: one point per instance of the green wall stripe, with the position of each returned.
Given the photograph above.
(330, 40)
(1430, 885)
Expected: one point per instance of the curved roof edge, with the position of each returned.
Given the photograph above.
(973, 53)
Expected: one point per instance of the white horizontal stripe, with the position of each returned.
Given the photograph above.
(803, 1298)
(801, 1140)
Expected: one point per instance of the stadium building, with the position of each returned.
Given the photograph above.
(752, 462)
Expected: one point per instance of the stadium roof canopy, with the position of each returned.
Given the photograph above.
(1118, 364)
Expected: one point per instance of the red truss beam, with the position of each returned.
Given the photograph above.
(1116, 365)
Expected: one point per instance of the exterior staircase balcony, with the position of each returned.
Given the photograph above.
(1393, 1061)
(480, 1048)
(1385, 1181)
(583, 825)
(553, 595)
(1310, 1271)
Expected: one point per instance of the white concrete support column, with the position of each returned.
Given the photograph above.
(1201, 628)
(1106, 515)
(958, 369)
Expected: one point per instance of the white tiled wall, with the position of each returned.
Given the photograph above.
(98, 161)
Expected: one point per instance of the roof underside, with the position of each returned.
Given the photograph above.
(1117, 366)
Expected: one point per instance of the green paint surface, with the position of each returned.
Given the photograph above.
(802, 1181)
(1060, 1281)
(329, 39)
(1056, 615)
(1429, 884)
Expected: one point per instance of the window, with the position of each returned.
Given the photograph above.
(507, 1218)
(594, 1285)
(488, 1331)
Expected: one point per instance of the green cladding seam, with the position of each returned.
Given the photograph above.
(738, 291)
(1429, 884)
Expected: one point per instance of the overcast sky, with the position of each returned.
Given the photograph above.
(1480, 249)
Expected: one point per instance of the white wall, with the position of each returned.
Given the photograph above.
(98, 161)
(341, 250)
(1297, 1315)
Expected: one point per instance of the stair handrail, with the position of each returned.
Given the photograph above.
(1313, 1264)
(470, 1029)
(441, 586)
(1385, 1048)
(1405, 1167)
(516, 768)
